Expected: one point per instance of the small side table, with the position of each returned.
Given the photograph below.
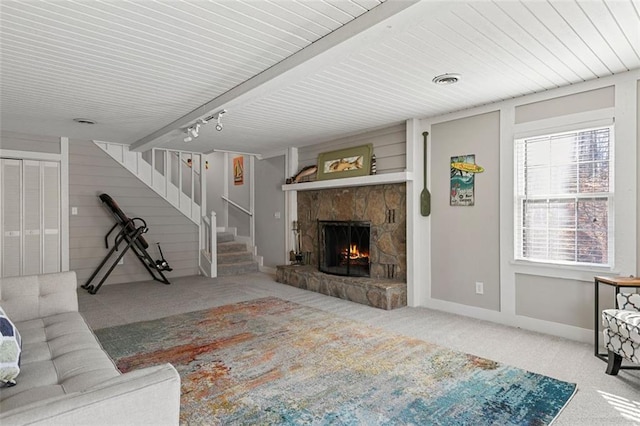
(618, 283)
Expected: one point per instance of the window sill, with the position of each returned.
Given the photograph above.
(569, 272)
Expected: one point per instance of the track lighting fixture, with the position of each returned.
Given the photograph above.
(193, 131)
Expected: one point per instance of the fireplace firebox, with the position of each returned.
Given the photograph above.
(344, 247)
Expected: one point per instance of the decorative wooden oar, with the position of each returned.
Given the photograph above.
(425, 195)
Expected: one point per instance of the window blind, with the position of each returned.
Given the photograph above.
(564, 195)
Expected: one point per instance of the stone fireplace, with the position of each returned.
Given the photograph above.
(353, 241)
(382, 206)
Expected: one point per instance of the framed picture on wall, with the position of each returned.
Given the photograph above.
(348, 162)
(238, 170)
(462, 189)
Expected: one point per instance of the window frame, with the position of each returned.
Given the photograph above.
(519, 198)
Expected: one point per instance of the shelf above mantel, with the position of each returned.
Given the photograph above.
(379, 179)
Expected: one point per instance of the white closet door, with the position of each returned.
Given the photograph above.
(29, 217)
(11, 215)
(51, 216)
(32, 218)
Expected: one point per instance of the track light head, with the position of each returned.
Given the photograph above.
(188, 139)
(195, 130)
(219, 125)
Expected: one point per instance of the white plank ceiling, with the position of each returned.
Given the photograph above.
(289, 72)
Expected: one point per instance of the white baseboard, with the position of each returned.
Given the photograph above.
(230, 229)
(532, 324)
(245, 240)
(267, 269)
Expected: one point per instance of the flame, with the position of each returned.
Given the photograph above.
(354, 253)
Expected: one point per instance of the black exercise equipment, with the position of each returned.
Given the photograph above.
(130, 234)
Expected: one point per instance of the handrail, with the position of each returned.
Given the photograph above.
(236, 205)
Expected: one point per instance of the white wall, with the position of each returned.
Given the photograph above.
(241, 195)
(270, 201)
(465, 241)
(549, 299)
(216, 185)
(92, 172)
(23, 142)
(389, 147)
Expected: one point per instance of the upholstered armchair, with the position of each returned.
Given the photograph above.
(622, 331)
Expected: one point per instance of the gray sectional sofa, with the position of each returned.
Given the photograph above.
(65, 376)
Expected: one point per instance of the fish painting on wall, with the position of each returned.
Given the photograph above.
(463, 170)
(348, 162)
(343, 164)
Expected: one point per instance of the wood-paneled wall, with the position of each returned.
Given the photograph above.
(92, 172)
(35, 143)
(389, 147)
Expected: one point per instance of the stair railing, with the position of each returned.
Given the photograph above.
(162, 170)
(238, 206)
(208, 246)
(248, 213)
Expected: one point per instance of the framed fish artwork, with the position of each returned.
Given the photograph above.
(348, 162)
(463, 171)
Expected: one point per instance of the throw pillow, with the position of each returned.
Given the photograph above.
(10, 350)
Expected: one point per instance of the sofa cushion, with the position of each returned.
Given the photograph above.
(10, 350)
(60, 355)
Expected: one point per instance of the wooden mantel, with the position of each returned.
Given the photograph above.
(379, 179)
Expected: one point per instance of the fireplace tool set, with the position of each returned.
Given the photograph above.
(296, 256)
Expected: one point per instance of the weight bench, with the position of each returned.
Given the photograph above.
(130, 235)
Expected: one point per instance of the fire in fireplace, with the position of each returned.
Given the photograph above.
(344, 247)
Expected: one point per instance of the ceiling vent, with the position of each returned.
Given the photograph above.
(84, 121)
(446, 79)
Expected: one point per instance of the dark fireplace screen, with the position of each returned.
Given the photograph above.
(344, 247)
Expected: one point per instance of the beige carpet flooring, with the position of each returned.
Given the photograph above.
(600, 400)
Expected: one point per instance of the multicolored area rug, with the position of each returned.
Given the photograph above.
(270, 361)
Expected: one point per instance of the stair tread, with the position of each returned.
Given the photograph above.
(235, 248)
(240, 263)
(237, 268)
(234, 253)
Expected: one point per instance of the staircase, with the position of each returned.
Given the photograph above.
(176, 176)
(234, 257)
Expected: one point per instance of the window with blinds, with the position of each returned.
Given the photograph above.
(564, 197)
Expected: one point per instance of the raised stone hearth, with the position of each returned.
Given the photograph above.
(379, 293)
